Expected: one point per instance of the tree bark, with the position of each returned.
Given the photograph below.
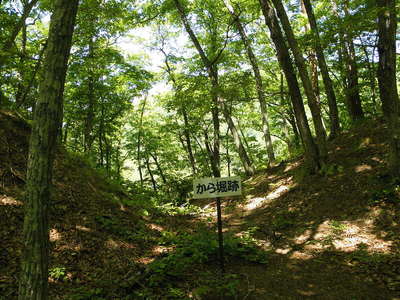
(33, 283)
(259, 83)
(330, 93)
(308, 88)
(311, 151)
(387, 25)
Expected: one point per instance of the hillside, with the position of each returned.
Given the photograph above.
(329, 236)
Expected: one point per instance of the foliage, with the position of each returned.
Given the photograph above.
(192, 249)
(58, 273)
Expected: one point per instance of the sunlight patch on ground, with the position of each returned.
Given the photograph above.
(6, 200)
(145, 260)
(365, 142)
(306, 293)
(362, 168)
(259, 201)
(347, 236)
(159, 250)
(291, 166)
(155, 227)
(377, 159)
(113, 244)
(54, 235)
(83, 228)
(300, 255)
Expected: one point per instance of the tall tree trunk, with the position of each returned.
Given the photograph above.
(206, 155)
(91, 97)
(311, 150)
(101, 138)
(387, 24)
(33, 283)
(352, 89)
(294, 141)
(244, 158)
(188, 141)
(259, 83)
(308, 89)
(139, 142)
(330, 93)
(228, 156)
(212, 71)
(372, 77)
(160, 170)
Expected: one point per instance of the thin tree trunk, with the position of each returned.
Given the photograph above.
(294, 141)
(330, 93)
(153, 181)
(154, 156)
(139, 141)
(32, 79)
(8, 44)
(188, 141)
(228, 157)
(372, 78)
(21, 84)
(387, 25)
(259, 83)
(100, 137)
(352, 89)
(212, 71)
(311, 150)
(244, 158)
(33, 283)
(90, 113)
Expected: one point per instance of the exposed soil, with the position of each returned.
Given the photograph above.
(327, 236)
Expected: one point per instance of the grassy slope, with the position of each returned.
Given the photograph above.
(326, 237)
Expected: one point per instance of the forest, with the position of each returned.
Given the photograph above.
(110, 110)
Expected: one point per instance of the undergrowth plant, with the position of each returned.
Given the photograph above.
(194, 250)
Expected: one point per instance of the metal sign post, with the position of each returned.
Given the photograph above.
(216, 188)
(220, 236)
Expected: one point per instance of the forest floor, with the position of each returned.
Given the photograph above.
(333, 235)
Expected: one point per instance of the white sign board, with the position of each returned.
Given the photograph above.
(217, 187)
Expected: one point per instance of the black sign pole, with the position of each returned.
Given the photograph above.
(220, 236)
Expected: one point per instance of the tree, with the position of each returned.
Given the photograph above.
(46, 127)
(211, 66)
(285, 61)
(352, 89)
(387, 24)
(259, 82)
(330, 93)
(308, 88)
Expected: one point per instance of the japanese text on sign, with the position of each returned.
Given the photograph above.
(217, 187)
